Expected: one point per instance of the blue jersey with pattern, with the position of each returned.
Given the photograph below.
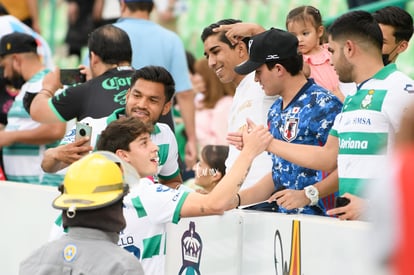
(306, 120)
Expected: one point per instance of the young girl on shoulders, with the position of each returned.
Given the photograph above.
(306, 23)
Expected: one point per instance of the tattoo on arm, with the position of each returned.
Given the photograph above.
(244, 177)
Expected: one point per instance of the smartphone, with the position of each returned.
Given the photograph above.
(71, 76)
(341, 201)
(83, 130)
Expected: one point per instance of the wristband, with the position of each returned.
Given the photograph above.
(238, 200)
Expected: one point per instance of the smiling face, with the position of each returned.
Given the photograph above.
(308, 35)
(146, 101)
(142, 155)
(222, 59)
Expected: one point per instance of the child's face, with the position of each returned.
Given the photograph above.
(307, 34)
(203, 174)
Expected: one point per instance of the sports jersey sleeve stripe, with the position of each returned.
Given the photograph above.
(52, 107)
(170, 176)
(177, 211)
(333, 132)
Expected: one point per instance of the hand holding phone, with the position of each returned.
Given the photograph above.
(83, 130)
(71, 76)
(340, 202)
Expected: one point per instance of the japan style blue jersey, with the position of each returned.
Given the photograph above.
(306, 120)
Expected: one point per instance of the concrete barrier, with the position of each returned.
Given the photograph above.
(26, 215)
(251, 242)
(238, 242)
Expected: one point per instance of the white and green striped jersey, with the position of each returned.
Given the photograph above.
(162, 136)
(367, 125)
(22, 161)
(148, 208)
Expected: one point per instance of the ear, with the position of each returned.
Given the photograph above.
(279, 69)
(217, 177)
(349, 48)
(122, 154)
(402, 46)
(320, 31)
(167, 107)
(242, 49)
(94, 58)
(17, 63)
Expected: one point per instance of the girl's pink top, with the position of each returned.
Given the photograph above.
(321, 69)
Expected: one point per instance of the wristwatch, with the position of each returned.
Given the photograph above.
(312, 193)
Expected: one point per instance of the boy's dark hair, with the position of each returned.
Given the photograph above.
(156, 74)
(121, 132)
(111, 44)
(208, 31)
(357, 24)
(397, 18)
(293, 64)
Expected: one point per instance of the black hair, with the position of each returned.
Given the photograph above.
(399, 19)
(292, 64)
(215, 157)
(208, 31)
(357, 24)
(111, 44)
(156, 74)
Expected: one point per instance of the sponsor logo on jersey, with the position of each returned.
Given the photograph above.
(290, 129)
(163, 188)
(409, 88)
(69, 137)
(69, 252)
(359, 121)
(353, 144)
(366, 102)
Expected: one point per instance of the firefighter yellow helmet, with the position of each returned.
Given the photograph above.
(95, 181)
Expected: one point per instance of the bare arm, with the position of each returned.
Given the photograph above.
(62, 156)
(238, 31)
(310, 156)
(43, 134)
(39, 108)
(224, 196)
(258, 192)
(291, 199)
